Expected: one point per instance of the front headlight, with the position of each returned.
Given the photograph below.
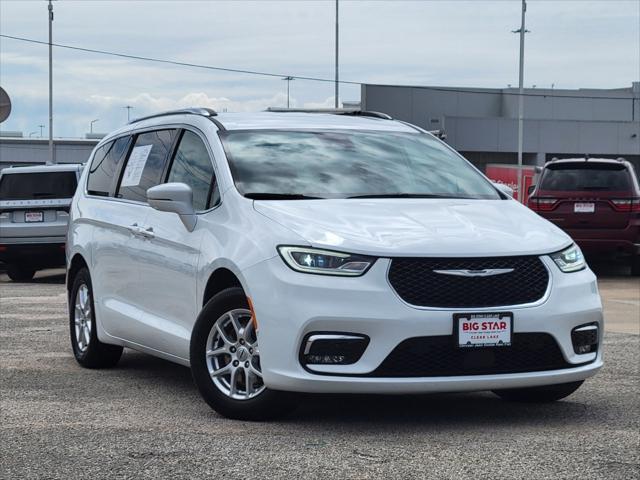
(325, 262)
(569, 259)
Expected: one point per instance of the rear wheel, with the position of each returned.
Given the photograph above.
(547, 393)
(88, 350)
(19, 273)
(225, 361)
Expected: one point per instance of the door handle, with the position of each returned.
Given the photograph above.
(139, 231)
(147, 232)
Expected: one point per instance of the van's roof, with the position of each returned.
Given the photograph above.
(61, 167)
(292, 120)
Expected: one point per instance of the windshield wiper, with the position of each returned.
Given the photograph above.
(280, 196)
(405, 195)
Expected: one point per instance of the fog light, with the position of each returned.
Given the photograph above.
(585, 339)
(332, 348)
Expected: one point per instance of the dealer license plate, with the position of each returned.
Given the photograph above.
(584, 207)
(484, 329)
(33, 217)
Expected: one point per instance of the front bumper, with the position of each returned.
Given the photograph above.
(289, 305)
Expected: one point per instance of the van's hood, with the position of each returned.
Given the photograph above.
(418, 227)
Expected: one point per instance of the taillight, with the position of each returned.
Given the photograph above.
(538, 204)
(626, 204)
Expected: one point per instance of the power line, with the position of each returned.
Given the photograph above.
(302, 77)
(175, 62)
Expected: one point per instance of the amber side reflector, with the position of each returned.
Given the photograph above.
(253, 314)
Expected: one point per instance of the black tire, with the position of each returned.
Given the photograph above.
(545, 394)
(18, 273)
(635, 265)
(266, 405)
(95, 354)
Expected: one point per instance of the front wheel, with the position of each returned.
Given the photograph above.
(544, 394)
(225, 361)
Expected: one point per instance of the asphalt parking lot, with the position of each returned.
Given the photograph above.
(145, 419)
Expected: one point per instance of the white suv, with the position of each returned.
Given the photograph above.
(335, 252)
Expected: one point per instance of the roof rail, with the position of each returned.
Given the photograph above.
(335, 111)
(204, 112)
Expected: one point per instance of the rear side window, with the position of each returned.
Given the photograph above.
(146, 163)
(192, 165)
(586, 176)
(35, 186)
(105, 165)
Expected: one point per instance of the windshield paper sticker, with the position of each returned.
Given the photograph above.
(135, 166)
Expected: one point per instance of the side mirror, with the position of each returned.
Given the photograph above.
(176, 198)
(531, 189)
(504, 188)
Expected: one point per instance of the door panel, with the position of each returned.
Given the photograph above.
(168, 267)
(115, 250)
(167, 271)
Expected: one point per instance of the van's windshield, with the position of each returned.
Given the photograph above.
(349, 164)
(35, 186)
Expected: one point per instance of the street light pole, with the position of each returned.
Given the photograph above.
(288, 79)
(91, 126)
(336, 85)
(41, 127)
(522, 32)
(52, 160)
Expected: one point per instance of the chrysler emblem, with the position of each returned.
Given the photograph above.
(489, 272)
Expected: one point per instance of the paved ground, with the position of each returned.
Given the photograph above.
(145, 419)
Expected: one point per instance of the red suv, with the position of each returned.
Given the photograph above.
(596, 201)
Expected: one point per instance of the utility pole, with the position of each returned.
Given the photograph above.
(337, 88)
(91, 125)
(129, 108)
(52, 160)
(41, 128)
(288, 79)
(522, 32)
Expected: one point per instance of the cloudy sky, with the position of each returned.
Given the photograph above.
(572, 44)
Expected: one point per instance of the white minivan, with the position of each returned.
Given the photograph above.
(334, 252)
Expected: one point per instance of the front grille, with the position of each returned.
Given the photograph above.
(416, 282)
(440, 356)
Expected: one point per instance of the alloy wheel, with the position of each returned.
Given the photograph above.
(82, 318)
(233, 357)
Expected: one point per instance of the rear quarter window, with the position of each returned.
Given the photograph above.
(36, 186)
(586, 177)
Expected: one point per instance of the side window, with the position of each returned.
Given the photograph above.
(105, 165)
(145, 165)
(192, 165)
